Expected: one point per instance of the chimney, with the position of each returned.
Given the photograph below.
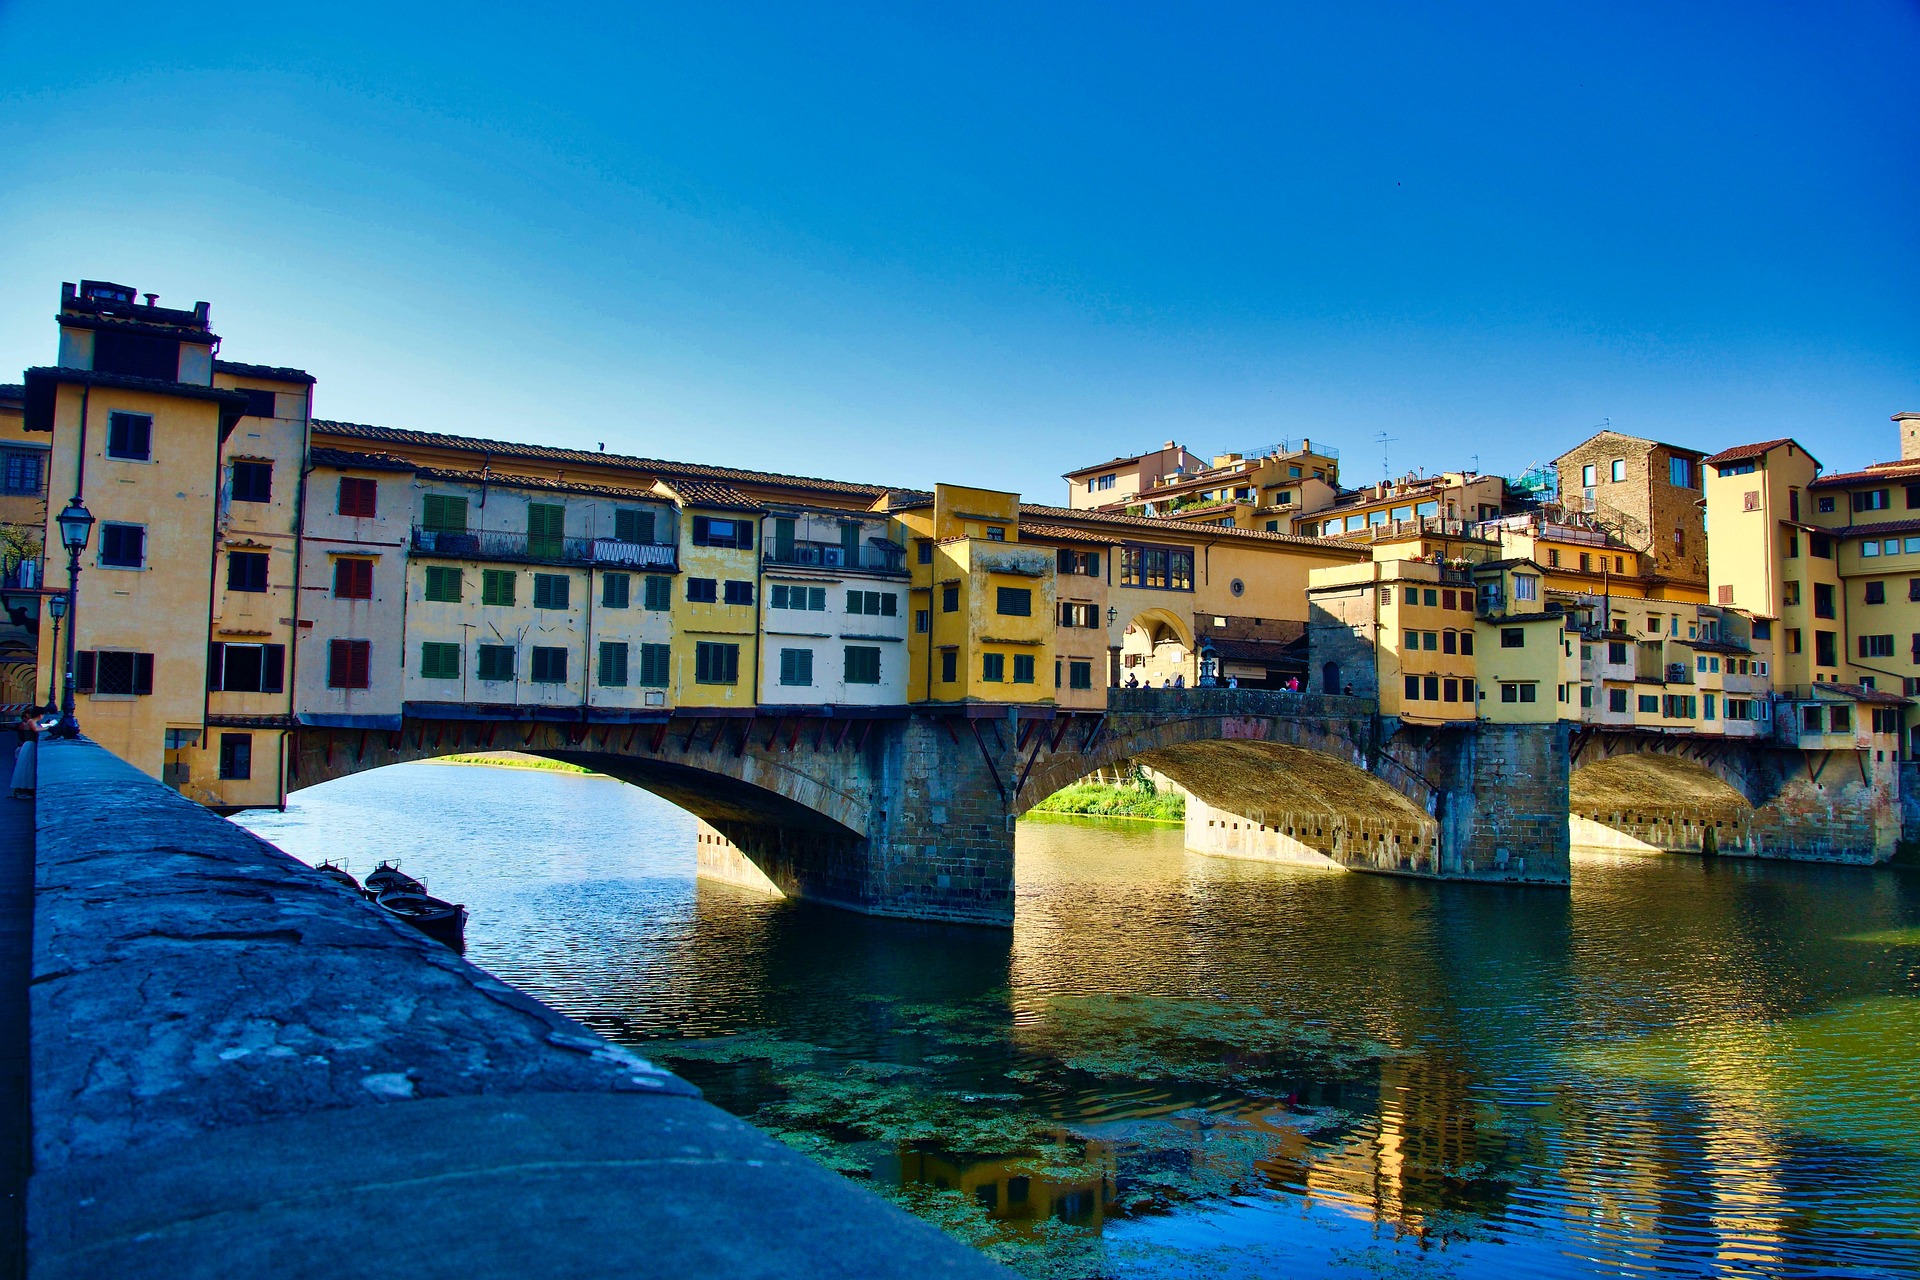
(1909, 435)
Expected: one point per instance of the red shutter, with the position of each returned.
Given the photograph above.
(353, 579)
(359, 497)
(362, 663)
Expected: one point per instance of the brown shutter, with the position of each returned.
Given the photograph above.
(143, 673)
(83, 668)
(216, 666)
(273, 669)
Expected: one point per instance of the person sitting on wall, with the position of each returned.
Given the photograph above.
(1133, 681)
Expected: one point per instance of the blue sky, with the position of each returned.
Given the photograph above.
(987, 243)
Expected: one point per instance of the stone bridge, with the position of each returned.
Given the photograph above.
(912, 813)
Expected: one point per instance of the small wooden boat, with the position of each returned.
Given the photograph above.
(339, 875)
(387, 877)
(442, 921)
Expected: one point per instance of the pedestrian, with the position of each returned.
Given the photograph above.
(26, 757)
(1233, 682)
(1179, 679)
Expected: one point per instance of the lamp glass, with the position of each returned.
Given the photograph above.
(76, 525)
(57, 606)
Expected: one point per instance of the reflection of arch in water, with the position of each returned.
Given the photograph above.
(1657, 801)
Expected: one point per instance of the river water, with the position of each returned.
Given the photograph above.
(1176, 1065)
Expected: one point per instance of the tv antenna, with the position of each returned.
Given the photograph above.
(1386, 468)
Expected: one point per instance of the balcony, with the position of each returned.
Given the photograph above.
(873, 557)
(528, 549)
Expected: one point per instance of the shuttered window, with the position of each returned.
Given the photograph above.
(246, 668)
(659, 592)
(613, 664)
(546, 529)
(112, 672)
(443, 583)
(615, 590)
(445, 513)
(123, 546)
(798, 597)
(875, 604)
(796, 666)
(715, 663)
(550, 590)
(352, 579)
(496, 586)
(1023, 668)
(439, 661)
(252, 482)
(739, 592)
(702, 590)
(863, 664)
(549, 665)
(633, 526)
(495, 662)
(1014, 602)
(359, 497)
(236, 756)
(130, 435)
(993, 667)
(246, 571)
(349, 664)
(656, 665)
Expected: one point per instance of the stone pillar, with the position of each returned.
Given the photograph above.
(1503, 810)
(940, 846)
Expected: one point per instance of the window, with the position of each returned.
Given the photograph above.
(709, 532)
(659, 592)
(546, 530)
(924, 551)
(796, 666)
(549, 665)
(246, 668)
(496, 662)
(715, 663)
(1681, 473)
(1875, 593)
(352, 579)
(923, 620)
(1512, 692)
(1449, 642)
(1079, 675)
(949, 666)
(130, 436)
(236, 756)
(616, 590)
(246, 571)
(497, 586)
(358, 497)
(1023, 668)
(1526, 587)
(1821, 545)
(613, 664)
(656, 665)
(873, 603)
(1617, 470)
(996, 533)
(1790, 593)
(1553, 559)
(24, 472)
(1872, 500)
(863, 665)
(444, 514)
(738, 592)
(1162, 568)
(1430, 688)
(1825, 650)
(1513, 637)
(123, 546)
(1449, 691)
(702, 590)
(1103, 482)
(1616, 700)
(1016, 602)
(349, 664)
(993, 667)
(1824, 504)
(1876, 646)
(1839, 719)
(1707, 703)
(1412, 688)
(439, 661)
(950, 599)
(1649, 703)
(1823, 600)
(1589, 475)
(443, 583)
(1410, 595)
(1871, 547)
(1677, 706)
(813, 599)
(252, 481)
(1083, 616)
(1810, 719)
(1084, 563)
(1466, 643)
(1586, 697)
(632, 526)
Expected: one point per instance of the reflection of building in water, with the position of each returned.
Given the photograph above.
(1022, 1191)
(1429, 1153)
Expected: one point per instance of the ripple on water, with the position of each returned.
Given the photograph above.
(1177, 1065)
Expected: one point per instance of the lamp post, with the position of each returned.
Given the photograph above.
(76, 526)
(56, 609)
(1209, 664)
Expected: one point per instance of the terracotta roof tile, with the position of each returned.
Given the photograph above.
(271, 372)
(1904, 468)
(1742, 452)
(653, 467)
(1068, 517)
(1860, 693)
(720, 497)
(350, 460)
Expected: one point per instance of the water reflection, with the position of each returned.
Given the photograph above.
(1179, 1063)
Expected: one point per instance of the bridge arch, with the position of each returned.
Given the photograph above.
(1657, 800)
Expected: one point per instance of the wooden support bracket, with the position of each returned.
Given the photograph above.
(987, 755)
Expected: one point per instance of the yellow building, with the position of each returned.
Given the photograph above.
(1400, 630)
(1451, 502)
(23, 523)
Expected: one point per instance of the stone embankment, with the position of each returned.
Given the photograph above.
(239, 1069)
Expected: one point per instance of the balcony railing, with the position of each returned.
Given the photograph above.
(1388, 529)
(834, 555)
(25, 576)
(502, 545)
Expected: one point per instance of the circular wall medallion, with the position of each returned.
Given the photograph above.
(1237, 587)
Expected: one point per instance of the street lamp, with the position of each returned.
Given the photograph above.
(1209, 664)
(76, 526)
(56, 609)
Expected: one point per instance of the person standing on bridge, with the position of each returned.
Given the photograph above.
(26, 761)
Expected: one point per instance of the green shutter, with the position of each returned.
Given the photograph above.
(816, 599)
(615, 589)
(613, 664)
(496, 586)
(439, 661)
(445, 514)
(659, 594)
(550, 590)
(546, 529)
(632, 526)
(443, 583)
(656, 662)
(783, 540)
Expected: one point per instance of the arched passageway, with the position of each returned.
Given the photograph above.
(1656, 802)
